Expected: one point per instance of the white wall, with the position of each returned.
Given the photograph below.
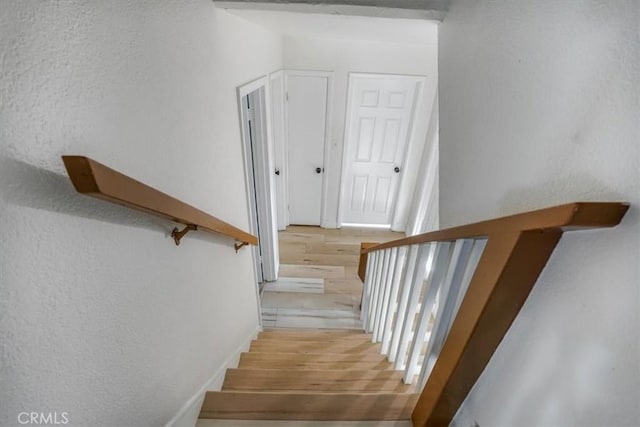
(344, 56)
(101, 315)
(539, 106)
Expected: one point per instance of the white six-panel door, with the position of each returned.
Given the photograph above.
(307, 95)
(379, 118)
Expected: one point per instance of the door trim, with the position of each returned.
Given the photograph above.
(421, 82)
(280, 152)
(325, 222)
(266, 210)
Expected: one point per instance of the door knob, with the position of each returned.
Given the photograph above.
(318, 170)
(396, 169)
(277, 171)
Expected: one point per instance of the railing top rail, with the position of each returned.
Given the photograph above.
(97, 180)
(577, 215)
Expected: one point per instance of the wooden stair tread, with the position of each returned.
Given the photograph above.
(328, 339)
(315, 361)
(328, 333)
(338, 347)
(315, 380)
(314, 335)
(308, 406)
(358, 357)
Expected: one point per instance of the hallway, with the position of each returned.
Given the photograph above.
(318, 285)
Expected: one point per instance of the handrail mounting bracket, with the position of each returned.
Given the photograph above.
(177, 235)
(239, 245)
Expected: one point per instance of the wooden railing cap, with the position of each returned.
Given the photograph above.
(570, 216)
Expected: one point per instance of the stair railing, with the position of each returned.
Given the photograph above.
(97, 180)
(440, 303)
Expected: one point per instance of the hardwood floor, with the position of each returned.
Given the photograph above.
(327, 253)
(318, 286)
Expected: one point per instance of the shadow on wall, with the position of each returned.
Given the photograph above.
(26, 185)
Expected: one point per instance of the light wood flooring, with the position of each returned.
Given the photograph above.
(318, 286)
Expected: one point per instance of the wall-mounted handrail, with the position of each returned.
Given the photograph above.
(472, 281)
(97, 180)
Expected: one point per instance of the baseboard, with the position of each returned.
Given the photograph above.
(399, 227)
(329, 224)
(187, 416)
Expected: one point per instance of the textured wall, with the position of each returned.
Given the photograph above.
(539, 105)
(345, 56)
(101, 315)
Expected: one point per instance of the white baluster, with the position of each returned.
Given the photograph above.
(384, 301)
(366, 290)
(366, 308)
(425, 256)
(380, 295)
(474, 259)
(466, 266)
(398, 275)
(405, 290)
(382, 258)
(435, 280)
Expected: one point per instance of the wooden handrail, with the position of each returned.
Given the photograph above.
(97, 180)
(517, 249)
(564, 217)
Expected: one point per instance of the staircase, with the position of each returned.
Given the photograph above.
(438, 303)
(312, 375)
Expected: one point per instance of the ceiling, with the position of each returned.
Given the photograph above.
(408, 9)
(341, 27)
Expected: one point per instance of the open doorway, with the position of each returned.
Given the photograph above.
(258, 158)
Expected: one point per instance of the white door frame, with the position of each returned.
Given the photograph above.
(421, 81)
(264, 178)
(280, 152)
(423, 215)
(324, 223)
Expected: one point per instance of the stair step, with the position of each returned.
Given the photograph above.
(314, 335)
(359, 361)
(307, 406)
(297, 423)
(289, 346)
(317, 380)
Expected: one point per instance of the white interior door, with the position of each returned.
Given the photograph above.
(379, 119)
(307, 95)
